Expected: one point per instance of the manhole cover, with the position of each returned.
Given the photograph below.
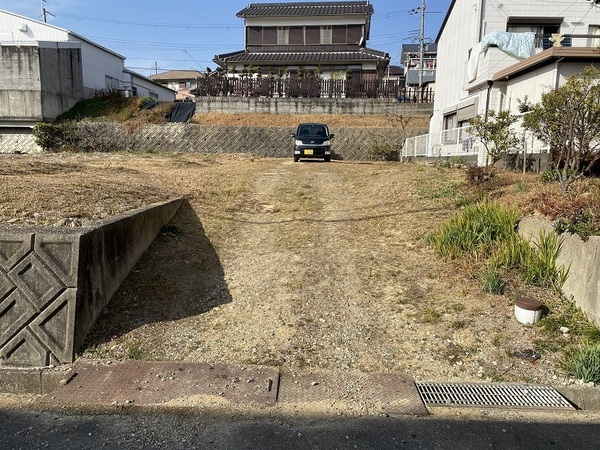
(497, 394)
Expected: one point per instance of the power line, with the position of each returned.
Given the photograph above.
(150, 24)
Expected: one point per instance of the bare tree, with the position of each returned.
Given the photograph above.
(495, 134)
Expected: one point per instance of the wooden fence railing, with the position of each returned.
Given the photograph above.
(311, 88)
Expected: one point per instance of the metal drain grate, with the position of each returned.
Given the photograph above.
(473, 394)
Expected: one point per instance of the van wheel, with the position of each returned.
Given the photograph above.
(296, 159)
(327, 158)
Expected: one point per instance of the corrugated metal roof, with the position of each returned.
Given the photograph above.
(48, 32)
(306, 9)
(302, 57)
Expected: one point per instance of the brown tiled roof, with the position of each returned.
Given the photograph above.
(244, 57)
(176, 75)
(306, 9)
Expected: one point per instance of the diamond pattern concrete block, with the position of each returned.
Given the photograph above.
(13, 247)
(36, 280)
(6, 285)
(24, 350)
(15, 312)
(56, 324)
(60, 253)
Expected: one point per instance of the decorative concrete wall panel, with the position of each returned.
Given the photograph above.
(55, 283)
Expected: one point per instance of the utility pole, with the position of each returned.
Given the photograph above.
(45, 12)
(421, 43)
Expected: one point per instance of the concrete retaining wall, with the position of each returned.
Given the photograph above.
(583, 257)
(269, 105)
(55, 282)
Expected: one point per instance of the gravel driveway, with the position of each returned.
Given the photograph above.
(304, 265)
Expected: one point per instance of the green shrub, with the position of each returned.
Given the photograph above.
(145, 100)
(383, 152)
(55, 137)
(549, 176)
(581, 222)
(135, 352)
(585, 363)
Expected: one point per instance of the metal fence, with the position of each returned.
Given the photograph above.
(271, 86)
(459, 142)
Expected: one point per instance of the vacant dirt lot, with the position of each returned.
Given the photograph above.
(300, 265)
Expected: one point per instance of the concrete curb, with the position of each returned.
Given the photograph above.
(44, 380)
(37, 380)
(585, 398)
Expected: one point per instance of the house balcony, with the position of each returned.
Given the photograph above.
(495, 60)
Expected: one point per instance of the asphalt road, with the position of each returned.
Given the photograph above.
(193, 429)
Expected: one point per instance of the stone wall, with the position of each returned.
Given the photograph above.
(583, 258)
(18, 140)
(349, 143)
(55, 282)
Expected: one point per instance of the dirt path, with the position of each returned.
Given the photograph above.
(312, 266)
(305, 266)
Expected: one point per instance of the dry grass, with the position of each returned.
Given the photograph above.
(291, 120)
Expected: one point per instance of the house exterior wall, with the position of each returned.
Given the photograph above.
(350, 19)
(61, 78)
(458, 36)
(20, 84)
(147, 88)
(97, 62)
(464, 27)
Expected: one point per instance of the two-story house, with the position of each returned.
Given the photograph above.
(492, 54)
(304, 37)
(419, 70)
(181, 81)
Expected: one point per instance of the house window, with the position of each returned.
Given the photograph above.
(296, 35)
(283, 35)
(450, 121)
(111, 82)
(543, 28)
(326, 35)
(313, 35)
(338, 35)
(594, 30)
(254, 35)
(269, 36)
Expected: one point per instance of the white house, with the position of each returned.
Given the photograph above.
(492, 54)
(45, 70)
(141, 86)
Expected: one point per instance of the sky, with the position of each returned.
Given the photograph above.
(156, 36)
